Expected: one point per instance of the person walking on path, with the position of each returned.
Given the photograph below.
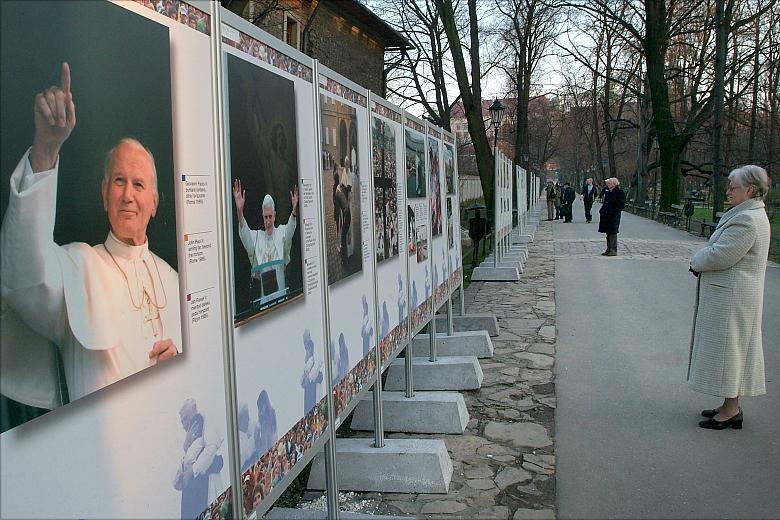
(726, 353)
(609, 223)
(567, 199)
(588, 197)
(552, 202)
(558, 198)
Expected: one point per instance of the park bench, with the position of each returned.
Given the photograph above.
(710, 226)
(672, 217)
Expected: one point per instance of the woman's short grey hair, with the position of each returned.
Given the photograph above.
(753, 176)
(134, 142)
(614, 180)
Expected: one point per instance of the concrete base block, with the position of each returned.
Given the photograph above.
(495, 274)
(469, 322)
(470, 343)
(525, 238)
(520, 251)
(401, 466)
(446, 373)
(426, 412)
(504, 262)
(291, 513)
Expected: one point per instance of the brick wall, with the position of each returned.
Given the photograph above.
(347, 49)
(336, 41)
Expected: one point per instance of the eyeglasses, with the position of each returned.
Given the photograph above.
(732, 188)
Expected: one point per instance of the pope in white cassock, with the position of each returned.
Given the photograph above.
(268, 244)
(111, 309)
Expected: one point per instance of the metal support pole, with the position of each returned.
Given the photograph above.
(450, 320)
(225, 288)
(495, 206)
(379, 433)
(432, 334)
(331, 480)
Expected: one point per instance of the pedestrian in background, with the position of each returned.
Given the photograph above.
(558, 193)
(588, 197)
(550, 193)
(609, 222)
(567, 199)
(726, 354)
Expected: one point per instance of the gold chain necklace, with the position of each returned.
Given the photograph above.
(154, 289)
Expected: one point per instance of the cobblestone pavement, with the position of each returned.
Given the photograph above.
(633, 248)
(504, 463)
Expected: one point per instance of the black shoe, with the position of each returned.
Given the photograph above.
(611, 253)
(711, 424)
(709, 414)
(605, 253)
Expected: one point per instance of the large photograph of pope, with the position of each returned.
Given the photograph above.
(90, 290)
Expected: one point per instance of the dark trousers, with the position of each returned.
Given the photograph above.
(588, 216)
(612, 243)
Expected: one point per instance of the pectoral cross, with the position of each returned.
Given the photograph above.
(152, 315)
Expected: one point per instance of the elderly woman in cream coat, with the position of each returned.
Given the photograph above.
(726, 357)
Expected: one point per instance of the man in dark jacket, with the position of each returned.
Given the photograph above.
(588, 197)
(614, 202)
(567, 199)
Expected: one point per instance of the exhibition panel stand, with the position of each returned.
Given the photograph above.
(144, 432)
(277, 268)
(495, 268)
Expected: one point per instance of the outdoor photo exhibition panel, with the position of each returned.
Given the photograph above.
(273, 185)
(503, 197)
(455, 272)
(130, 274)
(418, 223)
(436, 199)
(387, 147)
(522, 202)
(349, 229)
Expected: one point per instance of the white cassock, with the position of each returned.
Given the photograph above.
(262, 248)
(103, 306)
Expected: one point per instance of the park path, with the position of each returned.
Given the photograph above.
(627, 442)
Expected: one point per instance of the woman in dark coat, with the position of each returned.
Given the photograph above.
(609, 222)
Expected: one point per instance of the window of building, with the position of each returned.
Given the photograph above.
(292, 32)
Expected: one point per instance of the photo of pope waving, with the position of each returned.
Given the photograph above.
(110, 309)
(267, 249)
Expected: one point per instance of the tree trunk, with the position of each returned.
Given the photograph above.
(470, 92)
(717, 129)
(655, 45)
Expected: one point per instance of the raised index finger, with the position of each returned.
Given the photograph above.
(65, 78)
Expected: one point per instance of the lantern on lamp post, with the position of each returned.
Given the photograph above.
(496, 118)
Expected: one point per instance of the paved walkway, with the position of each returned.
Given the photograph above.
(627, 440)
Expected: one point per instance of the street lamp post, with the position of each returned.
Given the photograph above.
(496, 116)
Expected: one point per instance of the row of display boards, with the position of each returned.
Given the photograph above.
(300, 231)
